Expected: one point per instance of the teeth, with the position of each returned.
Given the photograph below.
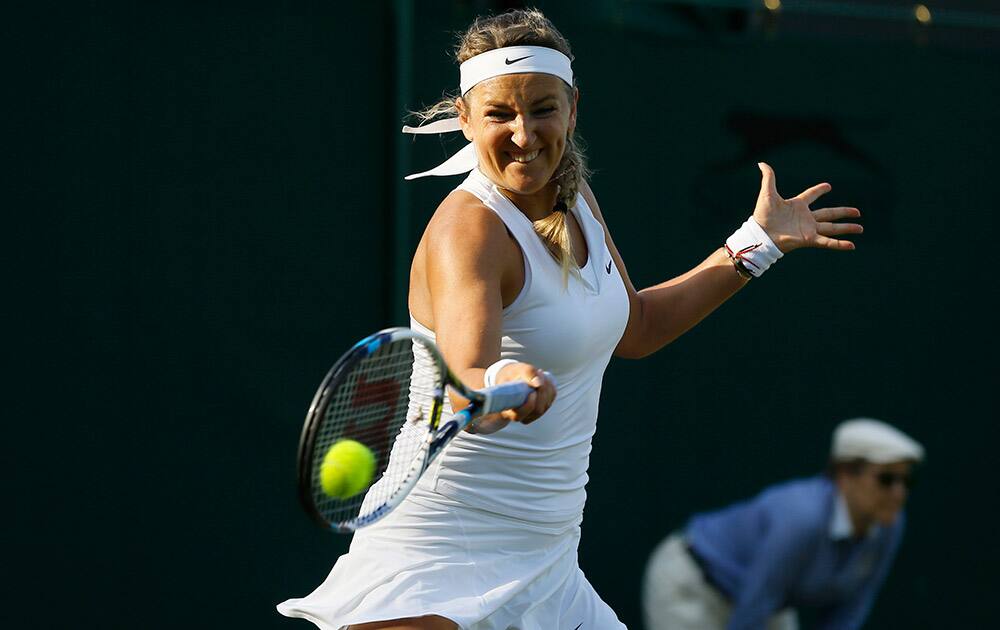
(524, 158)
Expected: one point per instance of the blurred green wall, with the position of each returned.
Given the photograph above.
(215, 188)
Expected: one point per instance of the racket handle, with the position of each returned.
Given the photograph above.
(507, 396)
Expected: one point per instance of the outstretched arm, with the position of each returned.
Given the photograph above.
(661, 313)
(466, 251)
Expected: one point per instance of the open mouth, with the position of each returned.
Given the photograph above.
(524, 158)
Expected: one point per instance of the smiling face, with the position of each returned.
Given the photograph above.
(876, 493)
(519, 124)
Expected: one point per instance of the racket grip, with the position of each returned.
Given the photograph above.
(507, 396)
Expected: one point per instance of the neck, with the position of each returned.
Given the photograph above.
(861, 525)
(536, 206)
(860, 522)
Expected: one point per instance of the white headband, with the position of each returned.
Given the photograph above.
(515, 60)
(493, 63)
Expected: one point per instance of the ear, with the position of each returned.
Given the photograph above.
(572, 109)
(463, 117)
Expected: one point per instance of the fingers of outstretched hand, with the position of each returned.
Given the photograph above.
(833, 214)
(833, 229)
(832, 243)
(810, 195)
(768, 186)
(826, 228)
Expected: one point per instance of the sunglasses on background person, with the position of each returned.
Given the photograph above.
(889, 479)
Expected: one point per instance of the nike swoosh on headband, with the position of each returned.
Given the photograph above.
(510, 61)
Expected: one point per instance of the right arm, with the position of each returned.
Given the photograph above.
(467, 256)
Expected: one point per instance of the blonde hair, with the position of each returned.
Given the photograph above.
(529, 27)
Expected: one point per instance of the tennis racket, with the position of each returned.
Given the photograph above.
(387, 392)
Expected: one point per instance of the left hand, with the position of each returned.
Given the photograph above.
(791, 224)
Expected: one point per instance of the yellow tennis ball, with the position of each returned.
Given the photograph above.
(347, 469)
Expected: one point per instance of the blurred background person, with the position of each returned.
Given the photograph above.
(825, 542)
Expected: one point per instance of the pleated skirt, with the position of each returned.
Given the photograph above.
(484, 571)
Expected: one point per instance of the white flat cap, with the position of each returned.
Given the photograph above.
(873, 441)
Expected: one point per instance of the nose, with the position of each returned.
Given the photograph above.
(522, 132)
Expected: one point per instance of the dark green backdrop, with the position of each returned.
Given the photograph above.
(212, 192)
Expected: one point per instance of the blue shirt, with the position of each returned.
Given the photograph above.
(788, 547)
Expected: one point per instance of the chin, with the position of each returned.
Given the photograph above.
(529, 179)
(524, 185)
(530, 189)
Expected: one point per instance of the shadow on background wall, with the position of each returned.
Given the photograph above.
(211, 189)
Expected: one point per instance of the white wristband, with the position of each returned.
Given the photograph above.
(490, 378)
(753, 248)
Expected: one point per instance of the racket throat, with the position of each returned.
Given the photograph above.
(443, 437)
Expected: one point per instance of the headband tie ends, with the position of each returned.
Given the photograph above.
(462, 162)
(446, 125)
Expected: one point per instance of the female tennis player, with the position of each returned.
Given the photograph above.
(517, 273)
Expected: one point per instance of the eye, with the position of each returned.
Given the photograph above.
(545, 111)
(494, 114)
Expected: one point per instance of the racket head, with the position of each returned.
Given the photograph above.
(386, 392)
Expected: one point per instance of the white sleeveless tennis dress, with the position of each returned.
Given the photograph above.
(489, 536)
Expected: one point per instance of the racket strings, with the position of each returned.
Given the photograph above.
(409, 449)
(386, 403)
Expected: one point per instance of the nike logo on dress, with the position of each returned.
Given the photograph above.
(608, 268)
(510, 61)
(578, 627)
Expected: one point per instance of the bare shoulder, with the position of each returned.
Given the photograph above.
(465, 248)
(463, 220)
(591, 199)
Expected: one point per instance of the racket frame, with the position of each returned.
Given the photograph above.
(481, 402)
